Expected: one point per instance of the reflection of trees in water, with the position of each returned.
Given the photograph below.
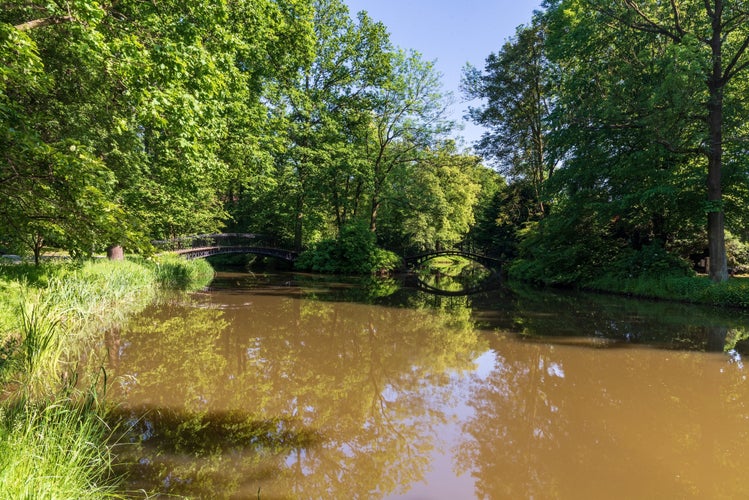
(515, 424)
(670, 325)
(571, 422)
(300, 397)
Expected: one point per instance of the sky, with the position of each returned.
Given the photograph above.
(451, 33)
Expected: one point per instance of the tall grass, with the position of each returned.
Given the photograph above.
(53, 439)
(54, 450)
(175, 273)
(40, 348)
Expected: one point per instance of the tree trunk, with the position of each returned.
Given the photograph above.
(715, 218)
(38, 244)
(115, 252)
(373, 214)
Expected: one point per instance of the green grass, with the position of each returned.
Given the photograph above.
(53, 439)
(175, 273)
(55, 450)
(695, 289)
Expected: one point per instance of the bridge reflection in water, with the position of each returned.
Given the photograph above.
(477, 273)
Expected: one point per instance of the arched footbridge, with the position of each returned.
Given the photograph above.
(205, 245)
(488, 262)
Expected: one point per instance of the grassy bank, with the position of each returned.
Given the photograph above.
(53, 439)
(695, 289)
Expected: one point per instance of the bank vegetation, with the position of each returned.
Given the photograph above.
(55, 437)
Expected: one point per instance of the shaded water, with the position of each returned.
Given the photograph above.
(293, 387)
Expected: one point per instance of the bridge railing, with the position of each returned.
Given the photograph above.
(213, 240)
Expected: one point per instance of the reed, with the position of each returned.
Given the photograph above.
(53, 436)
(55, 450)
(176, 273)
(40, 349)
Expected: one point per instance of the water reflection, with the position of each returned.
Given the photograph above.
(597, 320)
(290, 395)
(454, 277)
(302, 388)
(558, 422)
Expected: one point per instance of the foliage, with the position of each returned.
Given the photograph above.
(635, 107)
(648, 98)
(122, 123)
(516, 88)
(353, 252)
(432, 202)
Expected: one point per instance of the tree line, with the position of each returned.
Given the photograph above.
(129, 121)
(615, 132)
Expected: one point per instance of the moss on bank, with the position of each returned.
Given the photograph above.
(54, 442)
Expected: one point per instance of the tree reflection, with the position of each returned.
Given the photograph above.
(517, 420)
(294, 396)
(556, 421)
(555, 316)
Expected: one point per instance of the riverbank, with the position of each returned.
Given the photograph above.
(696, 289)
(54, 441)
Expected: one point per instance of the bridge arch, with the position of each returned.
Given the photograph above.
(420, 259)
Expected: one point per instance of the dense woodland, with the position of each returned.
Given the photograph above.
(616, 133)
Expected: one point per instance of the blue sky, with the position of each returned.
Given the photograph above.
(452, 33)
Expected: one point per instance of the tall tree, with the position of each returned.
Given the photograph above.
(714, 34)
(408, 117)
(518, 89)
(321, 110)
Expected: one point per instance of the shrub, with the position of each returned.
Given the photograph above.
(650, 260)
(355, 251)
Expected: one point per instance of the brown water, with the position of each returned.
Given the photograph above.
(287, 388)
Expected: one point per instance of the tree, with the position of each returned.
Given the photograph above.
(318, 113)
(54, 188)
(148, 102)
(431, 201)
(518, 88)
(408, 117)
(715, 36)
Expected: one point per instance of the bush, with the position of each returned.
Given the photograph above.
(650, 260)
(355, 251)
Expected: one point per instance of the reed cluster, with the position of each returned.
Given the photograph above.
(54, 440)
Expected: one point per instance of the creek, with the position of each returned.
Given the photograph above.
(296, 386)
